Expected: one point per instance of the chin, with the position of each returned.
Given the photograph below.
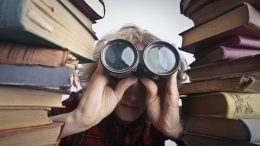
(128, 115)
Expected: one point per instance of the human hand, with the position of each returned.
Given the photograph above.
(98, 101)
(162, 102)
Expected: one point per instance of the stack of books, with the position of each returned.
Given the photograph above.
(220, 106)
(41, 44)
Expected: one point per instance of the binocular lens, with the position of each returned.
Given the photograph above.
(119, 56)
(161, 59)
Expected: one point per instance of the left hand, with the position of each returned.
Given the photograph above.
(162, 102)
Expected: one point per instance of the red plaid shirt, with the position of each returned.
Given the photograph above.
(111, 131)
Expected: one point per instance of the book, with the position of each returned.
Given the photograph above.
(192, 139)
(241, 129)
(192, 6)
(22, 97)
(200, 13)
(13, 53)
(75, 12)
(239, 83)
(15, 117)
(238, 66)
(35, 76)
(241, 41)
(231, 105)
(222, 53)
(47, 134)
(243, 20)
(93, 9)
(39, 23)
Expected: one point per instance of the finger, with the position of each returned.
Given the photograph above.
(123, 85)
(151, 87)
(99, 79)
(171, 86)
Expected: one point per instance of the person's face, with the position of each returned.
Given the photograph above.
(132, 105)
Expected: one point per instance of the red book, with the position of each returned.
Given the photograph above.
(226, 68)
(94, 10)
(222, 53)
(242, 41)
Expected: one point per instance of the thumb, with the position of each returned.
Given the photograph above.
(123, 85)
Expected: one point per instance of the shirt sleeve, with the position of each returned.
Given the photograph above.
(69, 104)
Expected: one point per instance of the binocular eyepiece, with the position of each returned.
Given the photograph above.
(121, 58)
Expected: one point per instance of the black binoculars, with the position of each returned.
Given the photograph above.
(157, 60)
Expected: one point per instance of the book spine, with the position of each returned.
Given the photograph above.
(242, 42)
(242, 105)
(222, 53)
(58, 78)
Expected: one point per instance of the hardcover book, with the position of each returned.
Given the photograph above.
(243, 65)
(241, 129)
(243, 20)
(75, 12)
(17, 117)
(34, 76)
(231, 105)
(242, 42)
(240, 83)
(22, 97)
(200, 13)
(192, 139)
(47, 134)
(93, 9)
(40, 23)
(13, 53)
(222, 53)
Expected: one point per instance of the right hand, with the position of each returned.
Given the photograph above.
(98, 101)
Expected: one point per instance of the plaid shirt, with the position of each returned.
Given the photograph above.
(111, 131)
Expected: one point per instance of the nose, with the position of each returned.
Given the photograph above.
(135, 93)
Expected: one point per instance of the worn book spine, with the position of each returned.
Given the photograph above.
(243, 83)
(13, 53)
(34, 76)
(231, 105)
(222, 53)
(226, 68)
(242, 42)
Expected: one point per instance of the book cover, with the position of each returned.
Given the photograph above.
(22, 97)
(13, 53)
(47, 134)
(94, 10)
(240, 83)
(238, 66)
(36, 22)
(241, 129)
(244, 20)
(231, 105)
(192, 139)
(35, 76)
(222, 53)
(200, 14)
(16, 116)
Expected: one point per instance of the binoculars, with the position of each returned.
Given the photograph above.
(157, 60)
